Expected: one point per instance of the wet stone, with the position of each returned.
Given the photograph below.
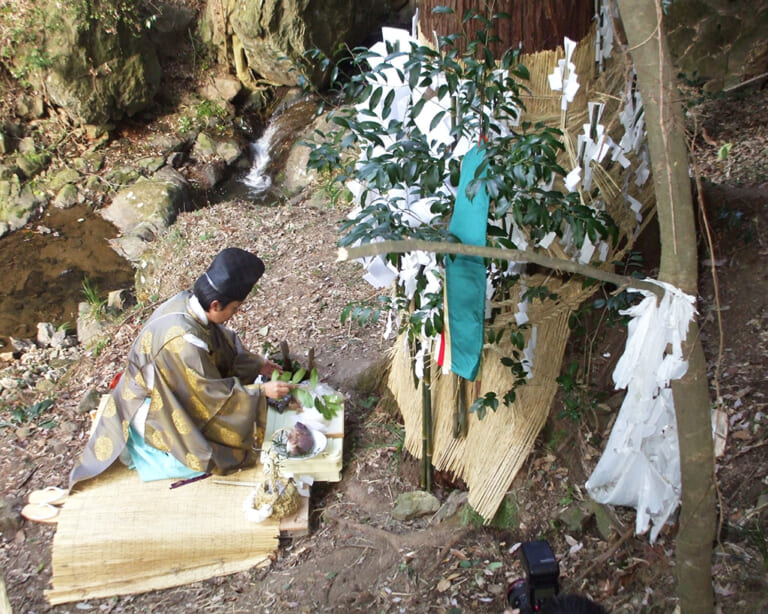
(66, 197)
(10, 518)
(205, 146)
(575, 518)
(27, 145)
(152, 164)
(64, 177)
(456, 499)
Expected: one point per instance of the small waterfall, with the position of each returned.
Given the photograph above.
(270, 152)
(258, 179)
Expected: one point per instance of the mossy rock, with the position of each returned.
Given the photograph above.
(32, 163)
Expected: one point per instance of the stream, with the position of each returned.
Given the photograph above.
(46, 263)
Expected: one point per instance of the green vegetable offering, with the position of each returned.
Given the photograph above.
(329, 405)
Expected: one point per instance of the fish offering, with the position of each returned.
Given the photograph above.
(299, 440)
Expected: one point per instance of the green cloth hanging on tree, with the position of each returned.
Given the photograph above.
(465, 275)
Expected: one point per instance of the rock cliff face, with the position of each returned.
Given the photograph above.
(264, 42)
(96, 62)
(102, 66)
(720, 42)
(98, 59)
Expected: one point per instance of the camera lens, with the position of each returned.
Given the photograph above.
(517, 596)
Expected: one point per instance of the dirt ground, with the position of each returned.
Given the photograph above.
(357, 558)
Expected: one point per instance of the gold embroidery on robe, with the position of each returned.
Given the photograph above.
(103, 448)
(225, 435)
(174, 339)
(163, 373)
(139, 377)
(110, 409)
(181, 422)
(176, 343)
(158, 440)
(193, 462)
(127, 393)
(156, 401)
(198, 409)
(146, 342)
(258, 436)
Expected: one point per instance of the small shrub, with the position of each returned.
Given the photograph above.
(507, 516)
(91, 294)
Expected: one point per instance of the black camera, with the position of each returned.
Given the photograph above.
(541, 578)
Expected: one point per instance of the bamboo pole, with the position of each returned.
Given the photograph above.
(426, 425)
(459, 408)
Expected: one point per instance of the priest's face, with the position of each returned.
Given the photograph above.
(219, 314)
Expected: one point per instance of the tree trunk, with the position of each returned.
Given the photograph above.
(642, 20)
(534, 25)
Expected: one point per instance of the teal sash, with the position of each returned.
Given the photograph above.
(466, 275)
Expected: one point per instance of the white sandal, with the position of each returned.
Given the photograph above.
(51, 495)
(41, 512)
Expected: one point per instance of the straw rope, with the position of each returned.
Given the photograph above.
(493, 450)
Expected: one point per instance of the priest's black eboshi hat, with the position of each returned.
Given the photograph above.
(233, 272)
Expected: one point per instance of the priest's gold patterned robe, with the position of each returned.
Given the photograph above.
(202, 403)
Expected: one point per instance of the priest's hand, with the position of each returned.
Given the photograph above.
(276, 389)
(268, 367)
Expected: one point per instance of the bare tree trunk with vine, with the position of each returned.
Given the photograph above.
(642, 20)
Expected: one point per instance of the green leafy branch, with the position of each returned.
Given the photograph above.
(397, 157)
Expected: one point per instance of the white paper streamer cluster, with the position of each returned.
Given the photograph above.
(564, 78)
(640, 466)
(633, 119)
(594, 144)
(415, 211)
(604, 38)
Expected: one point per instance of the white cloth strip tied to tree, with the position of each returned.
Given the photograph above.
(641, 463)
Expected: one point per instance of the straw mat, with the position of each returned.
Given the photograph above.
(117, 535)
